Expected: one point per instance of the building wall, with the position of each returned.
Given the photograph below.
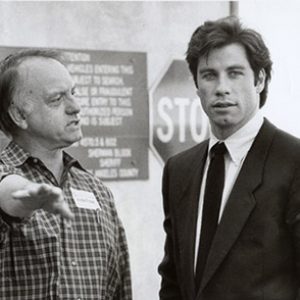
(162, 30)
(279, 23)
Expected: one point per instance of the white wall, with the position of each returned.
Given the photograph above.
(279, 22)
(162, 29)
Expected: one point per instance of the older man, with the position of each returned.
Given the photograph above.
(60, 235)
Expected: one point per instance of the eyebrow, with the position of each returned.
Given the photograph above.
(240, 67)
(205, 70)
(233, 67)
(58, 91)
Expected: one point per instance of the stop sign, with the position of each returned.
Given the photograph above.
(177, 121)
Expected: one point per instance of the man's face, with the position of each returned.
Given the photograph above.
(227, 89)
(46, 92)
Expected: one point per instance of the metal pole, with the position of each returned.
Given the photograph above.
(234, 8)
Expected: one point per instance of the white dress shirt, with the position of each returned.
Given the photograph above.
(238, 145)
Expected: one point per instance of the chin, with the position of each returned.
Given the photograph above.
(223, 122)
(70, 141)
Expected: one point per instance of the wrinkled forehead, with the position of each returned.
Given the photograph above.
(41, 66)
(43, 73)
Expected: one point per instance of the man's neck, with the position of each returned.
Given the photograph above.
(51, 158)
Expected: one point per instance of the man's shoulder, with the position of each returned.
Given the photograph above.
(13, 155)
(191, 152)
(281, 138)
(188, 159)
(289, 139)
(281, 148)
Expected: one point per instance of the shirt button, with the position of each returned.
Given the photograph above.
(35, 160)
(74, 263)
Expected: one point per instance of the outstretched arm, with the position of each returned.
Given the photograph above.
(20, 197)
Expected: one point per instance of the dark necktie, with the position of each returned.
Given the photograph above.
(211, 206)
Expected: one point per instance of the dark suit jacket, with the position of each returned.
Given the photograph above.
(255, 254)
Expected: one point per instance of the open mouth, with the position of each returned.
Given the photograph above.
(74, 122)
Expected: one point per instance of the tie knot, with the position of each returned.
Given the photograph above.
(218, 149)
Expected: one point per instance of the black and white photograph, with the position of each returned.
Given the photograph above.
(150, 150)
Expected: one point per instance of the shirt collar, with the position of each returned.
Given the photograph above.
(15, 155)
(239, 143)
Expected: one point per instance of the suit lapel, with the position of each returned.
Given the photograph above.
(186, 214)
(240, 203)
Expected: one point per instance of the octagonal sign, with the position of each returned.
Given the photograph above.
(177, 121)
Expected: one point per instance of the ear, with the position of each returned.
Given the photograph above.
(260, 84)
(18, 116)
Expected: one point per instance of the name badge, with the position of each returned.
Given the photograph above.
(84, 199)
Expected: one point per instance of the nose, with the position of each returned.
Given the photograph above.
(72, 105)
(223, 86)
